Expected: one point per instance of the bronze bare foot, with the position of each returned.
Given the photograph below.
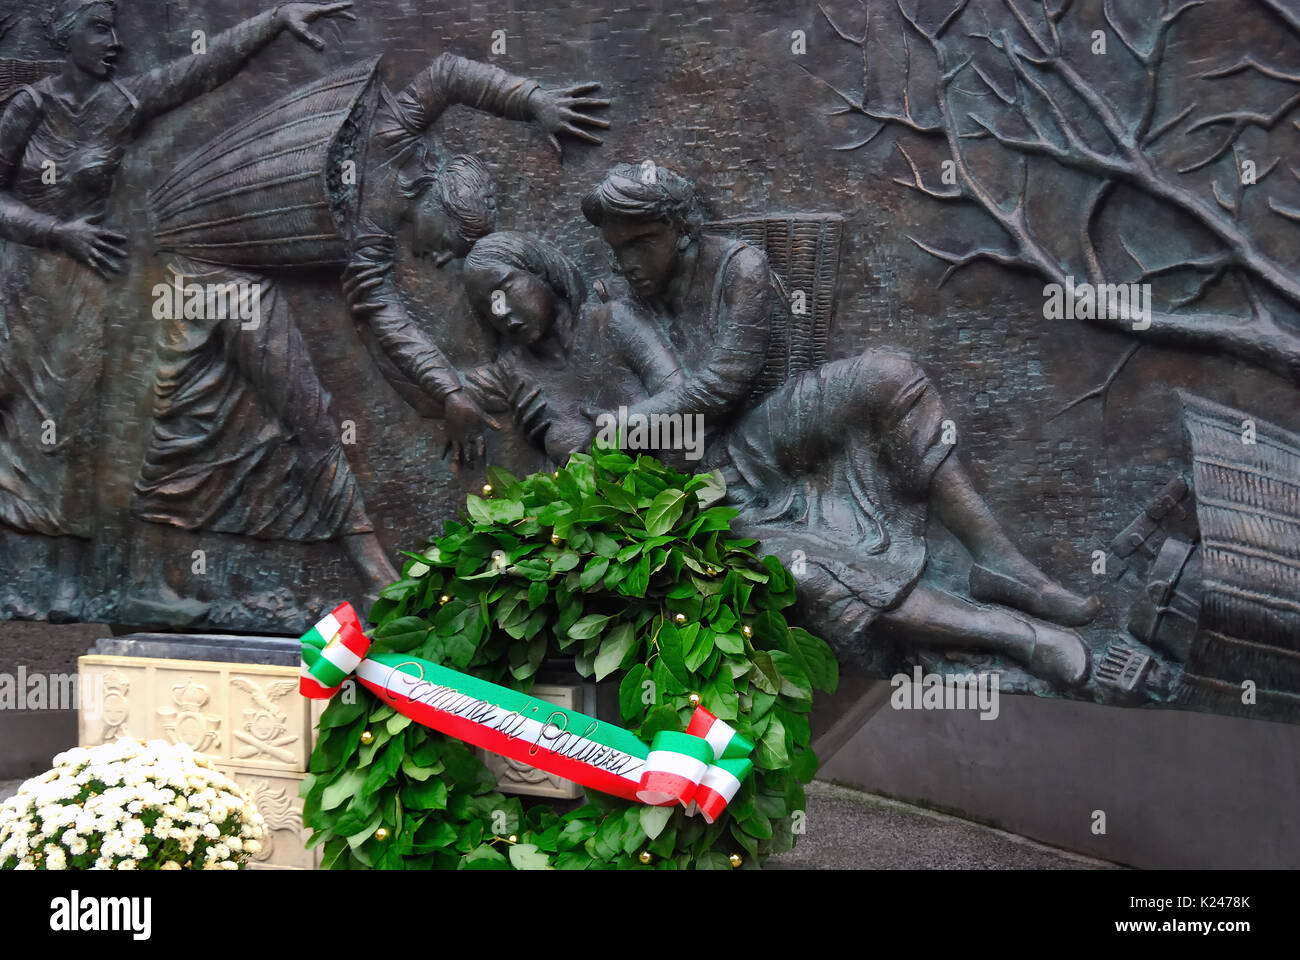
(1031, 591)
(1058, 656)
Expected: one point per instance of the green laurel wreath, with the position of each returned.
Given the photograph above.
(622, 565)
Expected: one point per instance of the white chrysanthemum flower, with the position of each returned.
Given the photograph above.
(252, 846)
(55, 817)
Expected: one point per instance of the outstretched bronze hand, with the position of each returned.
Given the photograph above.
(464, 420)
(296, 18)
(565, 111)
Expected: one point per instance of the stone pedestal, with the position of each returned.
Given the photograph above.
(234, 699)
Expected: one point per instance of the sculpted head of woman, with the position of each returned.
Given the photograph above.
(522, 285)
(87, 30)
(649, 215)
(452, 205)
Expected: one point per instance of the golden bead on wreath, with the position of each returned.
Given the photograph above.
(694, 699)
(367, 737)
(735, 860)
(513, 838)
(644, 856)
(445, 598)
(555, 539)
(381, 834)
(487, 489)
(748, 631)
(679, 617)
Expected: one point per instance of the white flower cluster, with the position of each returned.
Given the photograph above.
(129, 805)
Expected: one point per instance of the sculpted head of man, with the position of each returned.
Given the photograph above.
(649, 215)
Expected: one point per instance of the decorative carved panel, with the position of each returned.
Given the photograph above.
(516, 777)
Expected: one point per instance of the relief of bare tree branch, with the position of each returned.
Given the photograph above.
(1116, 143)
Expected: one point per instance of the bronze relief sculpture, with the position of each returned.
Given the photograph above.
(840, 463)
(950, 461)
(320, 177)
(64, 138)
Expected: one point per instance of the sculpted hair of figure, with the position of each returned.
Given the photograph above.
(646, 191)
(466, 191)
(61, 20)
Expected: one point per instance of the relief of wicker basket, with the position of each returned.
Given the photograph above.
(270, 191)
(804, 252)
(1248, 509)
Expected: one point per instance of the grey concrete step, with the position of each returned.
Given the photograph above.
(850, 830)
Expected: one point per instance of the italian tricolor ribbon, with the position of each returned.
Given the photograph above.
(701, 769)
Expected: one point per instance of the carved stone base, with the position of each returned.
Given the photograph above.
(247, 717)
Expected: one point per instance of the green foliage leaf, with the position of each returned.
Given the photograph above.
(589, 626)
(478, 508)
(772, 751)
(348, 783)
(402, 634)
(630, 692)
(654, 819)
(526, 856)
(426, 795)
(484, 857)
(614, 649)
(672, 655)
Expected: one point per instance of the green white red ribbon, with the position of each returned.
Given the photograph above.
(701, 769)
